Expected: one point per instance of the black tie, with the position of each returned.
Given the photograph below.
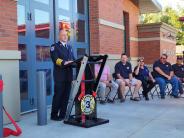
(66, 46)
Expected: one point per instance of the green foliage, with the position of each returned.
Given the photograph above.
(169, 16)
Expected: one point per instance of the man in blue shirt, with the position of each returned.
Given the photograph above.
(178, 69)
(123, 71)
(163, 74)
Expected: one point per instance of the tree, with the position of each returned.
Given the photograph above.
(169, 16)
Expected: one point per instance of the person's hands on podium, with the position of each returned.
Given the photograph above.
(67, 62)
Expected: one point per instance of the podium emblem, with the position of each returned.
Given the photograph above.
(87, 104)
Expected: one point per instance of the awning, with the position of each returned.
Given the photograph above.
(149, 6)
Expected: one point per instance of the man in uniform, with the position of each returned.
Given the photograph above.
(61, 54)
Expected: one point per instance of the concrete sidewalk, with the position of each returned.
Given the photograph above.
(153, 119)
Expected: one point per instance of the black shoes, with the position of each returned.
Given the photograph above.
(175, 96)
(162, 96)
(56, 118)
(135, 99)
(122, 100)
(110, 101)
(146, 98)
(102, 102)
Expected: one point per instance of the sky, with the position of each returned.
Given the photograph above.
(172, 3)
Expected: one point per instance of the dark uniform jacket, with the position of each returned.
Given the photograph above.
(178, 70)
(60, 54)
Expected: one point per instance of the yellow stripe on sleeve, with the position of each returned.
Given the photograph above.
(59, 61)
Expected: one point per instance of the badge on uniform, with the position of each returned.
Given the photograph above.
(52, 48)
(127, 67)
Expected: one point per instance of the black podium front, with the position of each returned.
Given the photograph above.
(83, 93)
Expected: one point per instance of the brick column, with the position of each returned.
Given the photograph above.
(155, 39)
(8, 25)
(94, 27)
(9, 57)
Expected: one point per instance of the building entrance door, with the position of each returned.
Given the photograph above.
(72, 15)
(36, 34)
(39, 22)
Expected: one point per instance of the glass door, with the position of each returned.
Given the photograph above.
(24, 47)
(42, 37)
(36, 34)
(72, 15)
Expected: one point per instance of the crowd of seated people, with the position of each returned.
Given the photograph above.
(163, 73)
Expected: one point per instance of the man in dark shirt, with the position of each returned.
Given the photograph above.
(178, 69)
(61, 54)
(163, 74)
(123, 71)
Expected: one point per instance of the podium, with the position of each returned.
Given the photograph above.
(82, 101)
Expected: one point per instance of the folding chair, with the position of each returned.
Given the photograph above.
(114, 78)
(157, 90)
(168, 90)
(129, 92)
(141, 94)
(106, 96)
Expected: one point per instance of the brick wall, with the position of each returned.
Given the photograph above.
(8, 25)
(133, 11)
(149, 41)
(150, 50)
(94, 26)
(106, 39)
(155, 39)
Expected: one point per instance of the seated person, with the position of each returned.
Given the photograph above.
(142, 73)
(178, 69)
(123, 71)
(163, 74)
(106, 80)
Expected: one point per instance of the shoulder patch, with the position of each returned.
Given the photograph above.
(52, 48)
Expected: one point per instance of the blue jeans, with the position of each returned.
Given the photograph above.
(180, 86)
(162, 82)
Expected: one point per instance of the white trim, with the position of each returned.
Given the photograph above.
(134, 39)
(133, 58)
(110, 56)
(167, 40)
(111, 24)
(151, 39)
(10, 54)
(114, 56)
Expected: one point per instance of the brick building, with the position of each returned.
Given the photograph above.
(29, 27)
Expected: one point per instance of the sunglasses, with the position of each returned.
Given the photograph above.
(163, 58)
(179, 59)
